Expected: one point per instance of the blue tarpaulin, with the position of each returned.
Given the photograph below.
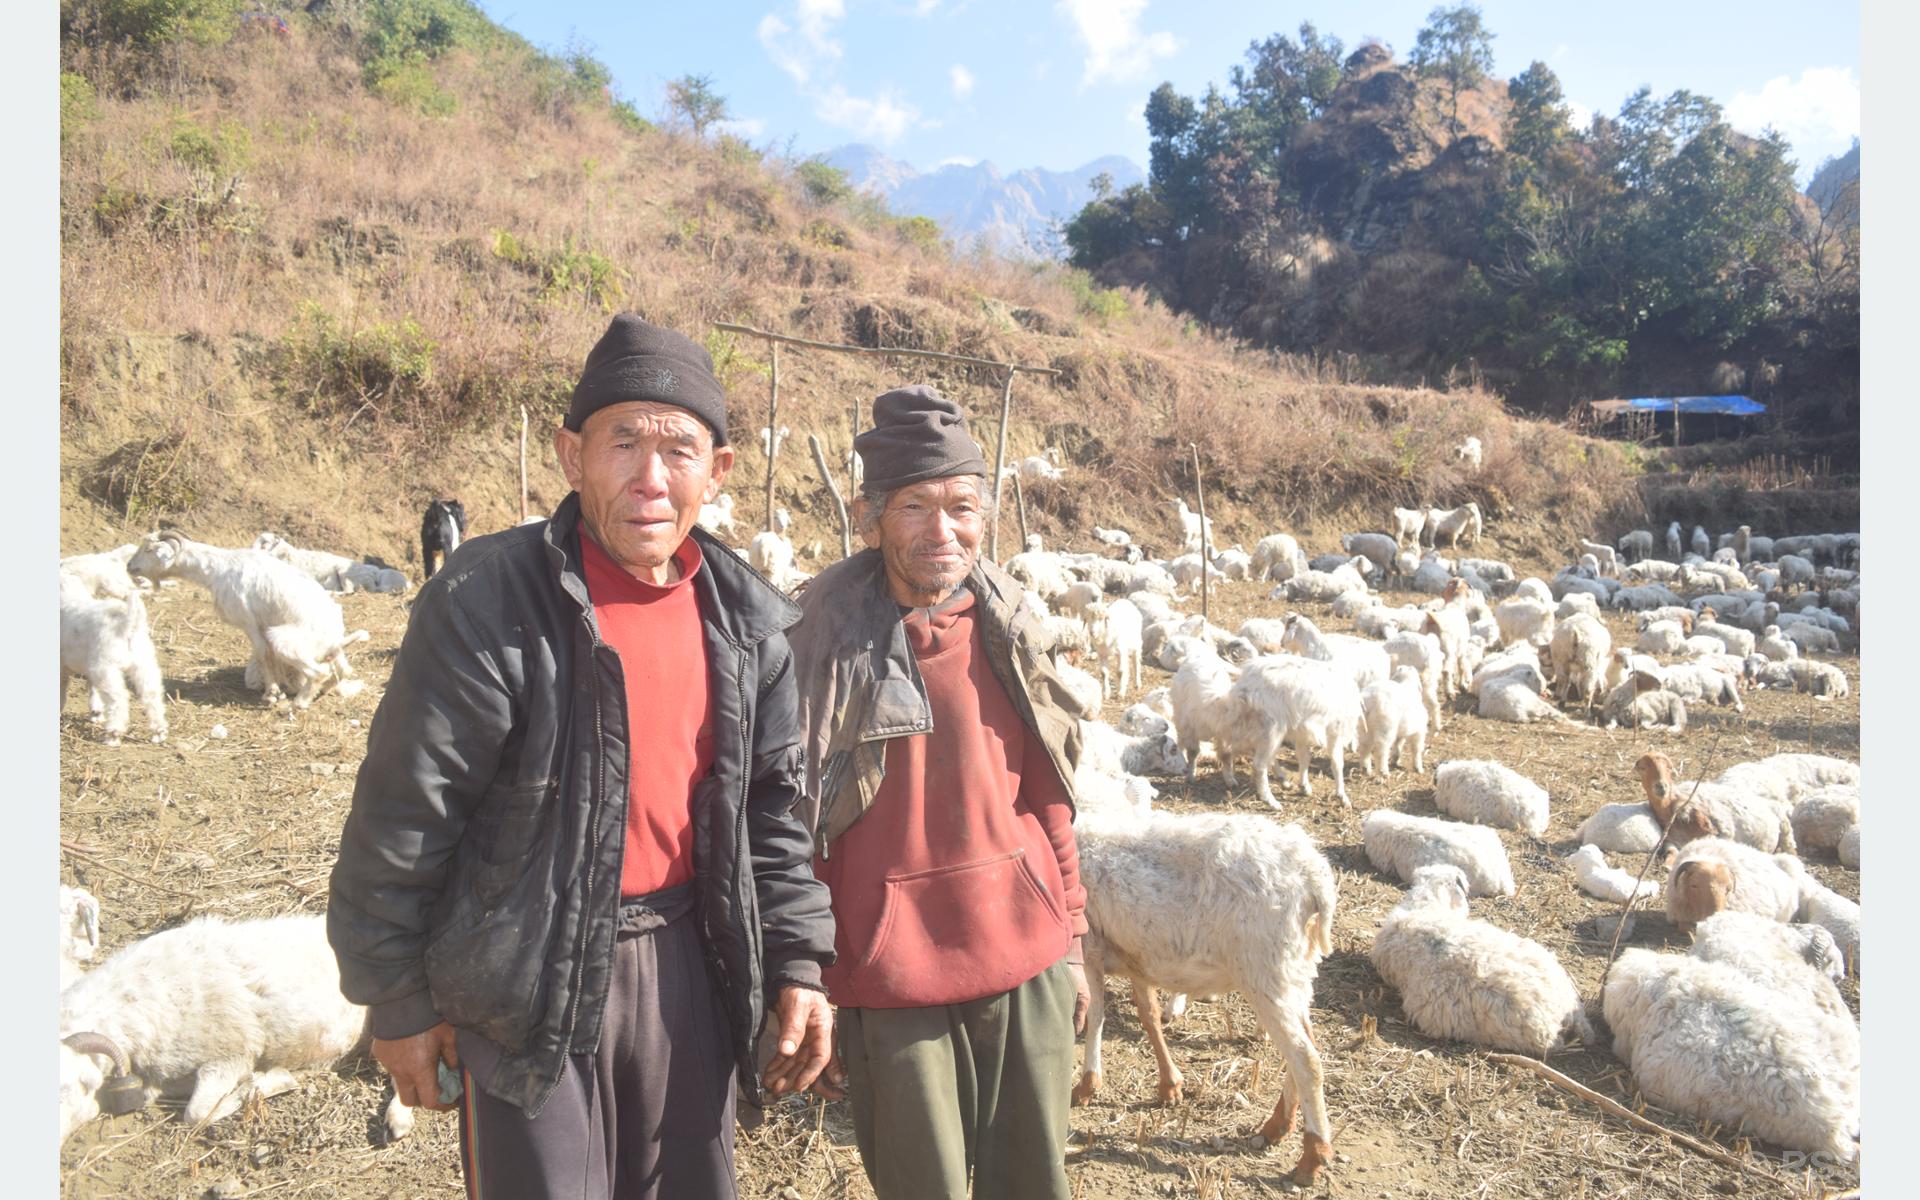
(1733, 406)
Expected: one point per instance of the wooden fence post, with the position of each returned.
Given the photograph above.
(523, 464)
(773, 429)
(1020, 505)
(1200, 492)
(999, 465)
(839, 505)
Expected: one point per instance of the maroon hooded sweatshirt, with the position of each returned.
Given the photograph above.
(961, 880)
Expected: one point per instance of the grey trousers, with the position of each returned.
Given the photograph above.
(647, 1116)
(981, 1086)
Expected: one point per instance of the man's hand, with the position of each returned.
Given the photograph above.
(1082, 998)
(805, 1020)
(413, 1062)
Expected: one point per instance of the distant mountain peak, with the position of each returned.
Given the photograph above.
(1016, 213)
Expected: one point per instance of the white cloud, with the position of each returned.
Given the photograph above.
(805, 49)
(1579, 115)
(924, 8)
(884, 118)
(745, 128)
(1559, 52)
(1137, 115)
(1117, 50)
(962, 80)
(957, 160)
(1819, 115)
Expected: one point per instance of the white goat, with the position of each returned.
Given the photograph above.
(1312, 705)
(717, 518)
(1393, 723)
(1490, 793)
(1114, 630)
(1460, 525)
(1400, 844)
(1364, 661)
(335, 572)
(1597, 879)
(1470, 981)
(105, 573)
(1577, 658)
(297, 631)
(1469, 452)
(1207, 904)
(1697, 1034)
(215, 1011)
(79, 932)
(105, 641)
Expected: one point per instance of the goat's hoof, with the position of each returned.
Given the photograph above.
(1084, 1090)
(1170, 1092)
(1279, 1125)
(1314, 1154)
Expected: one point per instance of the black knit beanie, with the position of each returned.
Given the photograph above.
(634, 360)
(917, 434)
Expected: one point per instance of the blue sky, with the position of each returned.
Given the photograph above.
(1055, 83)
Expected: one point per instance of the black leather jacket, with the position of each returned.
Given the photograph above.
(479, 871)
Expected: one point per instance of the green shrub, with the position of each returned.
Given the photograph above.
(735, 152)
(1103, 304)
(402, 33)
(77, 102)
(150, 23)
(333, 367)
(210, 153)
(412, 86)
(628, 117)
(574, 270)
(923, 232)
(729, 361)
(823, 184)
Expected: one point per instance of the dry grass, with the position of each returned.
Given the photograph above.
(248, 825)
(331, 208)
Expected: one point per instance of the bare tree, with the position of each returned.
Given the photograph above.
(693, 100)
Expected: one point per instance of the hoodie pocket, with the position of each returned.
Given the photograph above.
(958, 933)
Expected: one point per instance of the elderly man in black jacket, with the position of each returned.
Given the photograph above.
(571, 871)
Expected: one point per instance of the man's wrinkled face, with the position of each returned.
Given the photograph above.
(643, 469)
(929, 536)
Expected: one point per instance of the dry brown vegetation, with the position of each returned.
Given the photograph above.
(271, 263)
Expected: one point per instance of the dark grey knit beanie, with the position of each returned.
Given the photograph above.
(917, 434)
(634, 360)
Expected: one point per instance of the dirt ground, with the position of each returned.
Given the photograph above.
(248, 825)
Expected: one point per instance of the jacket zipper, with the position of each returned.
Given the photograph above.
(593, 856)
(740, 817)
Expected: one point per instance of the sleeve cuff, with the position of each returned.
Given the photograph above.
(798, 972)
(403, 1017)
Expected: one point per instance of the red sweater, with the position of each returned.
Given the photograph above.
(961, 880)
(663, 656)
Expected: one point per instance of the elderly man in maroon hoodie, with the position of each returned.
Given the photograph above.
(940, 747)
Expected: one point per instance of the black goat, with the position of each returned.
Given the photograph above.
(441, 529)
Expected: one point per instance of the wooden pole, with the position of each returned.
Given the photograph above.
(1020, 506)
(773, 429)
(839, 505)
(1676, 422)
(1200, 491)
(523, 464)
(853, 456)
(999, 465)
(882, 350)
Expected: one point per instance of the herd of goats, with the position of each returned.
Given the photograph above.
(1203, 904)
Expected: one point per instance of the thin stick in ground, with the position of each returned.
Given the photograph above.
(839, 505)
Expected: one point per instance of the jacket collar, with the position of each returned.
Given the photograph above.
(736, 599)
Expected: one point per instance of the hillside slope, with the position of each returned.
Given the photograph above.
(295, 298)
